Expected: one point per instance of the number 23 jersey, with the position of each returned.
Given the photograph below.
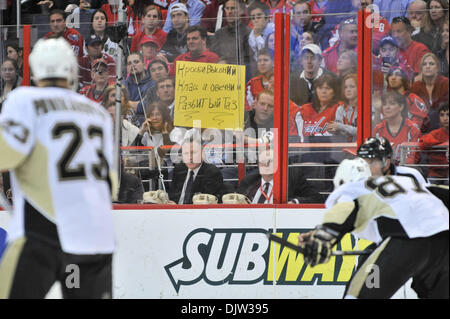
(59, 147)
(376, 208)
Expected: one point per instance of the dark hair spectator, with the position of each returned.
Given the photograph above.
(231, 40)
(151, 25)
(9, 79)
(260, 82)
(196, 40)
(347, 63)
(411, 50)
(301, 81)
(57, 21)
(398, 81)
(396, 126)
(176, 38)
(442, 53)
(304, 26)
(99, 27)
(137, 83)
(346, 113)
(313, 118)
(194, 10)
(259, 14)
(437, 156)
(15, 52)
(128, 128)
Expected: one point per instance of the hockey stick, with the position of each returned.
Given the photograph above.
(299, 249)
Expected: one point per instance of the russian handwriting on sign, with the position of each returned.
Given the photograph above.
(211, 94)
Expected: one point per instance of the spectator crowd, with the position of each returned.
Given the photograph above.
(410, 55)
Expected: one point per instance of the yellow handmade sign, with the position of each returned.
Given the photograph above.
(211, 95)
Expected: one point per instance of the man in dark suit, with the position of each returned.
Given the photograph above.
(194, 175)
(258, 186)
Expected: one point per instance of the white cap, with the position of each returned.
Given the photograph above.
(314, 48)
(178, 7)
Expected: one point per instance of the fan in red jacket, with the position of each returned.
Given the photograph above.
(397, 128)
(59, 29)
(436, 137)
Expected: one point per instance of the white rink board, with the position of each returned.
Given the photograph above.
(235, 260)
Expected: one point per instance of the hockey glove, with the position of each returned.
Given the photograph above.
(317, 249)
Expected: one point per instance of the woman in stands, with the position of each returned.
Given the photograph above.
(430, 85)
(442, 53)
(437, 14)
(313, 118)
(9, 79)
(129, 130)
(151, 25)
(156, 129)
(13, 51)
(99, 26)
(345, 123)
(397, 128)
(397, 80)
(260, 82)
(346, 63)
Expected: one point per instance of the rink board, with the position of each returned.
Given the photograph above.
(220, 253)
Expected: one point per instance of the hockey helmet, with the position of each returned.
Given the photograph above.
(375, 147)
(54, 59)
(351, 171)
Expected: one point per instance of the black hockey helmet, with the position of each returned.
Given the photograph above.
(375, 147)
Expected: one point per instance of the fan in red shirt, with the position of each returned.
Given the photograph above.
(398, 81)
(197, 51)
(262, 81)
(348, 40)
(411, 50)
(59, 29)
(397, 128)
(151, 25)
(313, 118)
(436, 137)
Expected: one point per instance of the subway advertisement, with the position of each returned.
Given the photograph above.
(222, 253)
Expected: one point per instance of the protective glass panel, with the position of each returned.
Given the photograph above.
(409, 67)
(322, 98)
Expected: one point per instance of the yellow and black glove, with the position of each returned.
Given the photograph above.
(317, 248)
